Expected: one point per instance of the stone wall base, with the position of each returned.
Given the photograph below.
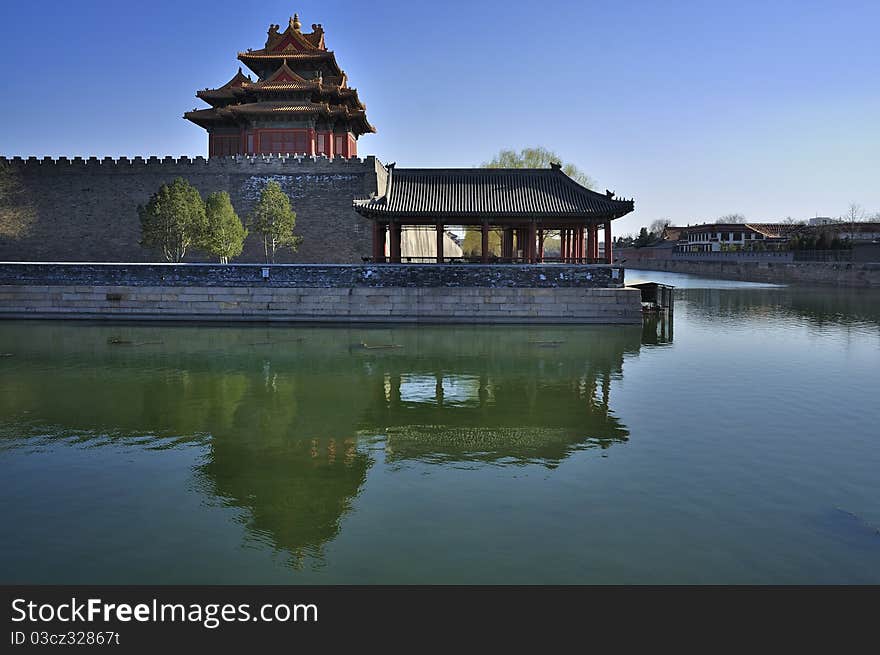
(841, 274)
(331, 305)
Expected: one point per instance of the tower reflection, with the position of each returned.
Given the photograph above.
(290, 419)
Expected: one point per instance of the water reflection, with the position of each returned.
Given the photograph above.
(657, 329)
(816, 306)
(290, 419)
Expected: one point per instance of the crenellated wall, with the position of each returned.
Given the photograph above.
(85, 210)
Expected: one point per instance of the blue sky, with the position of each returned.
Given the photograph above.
(696, 109)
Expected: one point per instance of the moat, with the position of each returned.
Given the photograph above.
(738, 444)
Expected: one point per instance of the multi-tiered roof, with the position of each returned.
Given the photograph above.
(298, 85)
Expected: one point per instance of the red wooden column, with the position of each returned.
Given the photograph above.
(376, 253)
(383, 236)
(541, 246)
(580, 244)
(440, 233)
(533, 235)
(562, 244)
(592, 238)
(484, 249)
(395, 229)
(609, 255)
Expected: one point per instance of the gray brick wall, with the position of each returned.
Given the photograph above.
(85, 210)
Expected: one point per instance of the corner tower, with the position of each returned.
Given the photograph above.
(300, 102)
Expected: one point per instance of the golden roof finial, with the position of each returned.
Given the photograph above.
(294, 22)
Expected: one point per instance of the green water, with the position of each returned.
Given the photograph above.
(741, 444)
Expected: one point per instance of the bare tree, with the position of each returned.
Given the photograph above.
(658, 226)
(731, 218)
(854, 213)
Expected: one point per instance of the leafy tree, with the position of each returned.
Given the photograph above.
(224, 233)
(645, 238)
(274, 220)
(472, 245)
(537, 157)
(172, 220)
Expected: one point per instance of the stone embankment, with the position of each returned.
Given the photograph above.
(843, 274)
(377, 293)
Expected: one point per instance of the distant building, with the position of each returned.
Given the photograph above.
(861, 232)
(718, 237)
(823, 220)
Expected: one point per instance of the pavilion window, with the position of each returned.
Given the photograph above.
(289, 143)
(300, 137)
(321, 145)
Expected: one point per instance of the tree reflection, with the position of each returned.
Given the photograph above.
(289, 417)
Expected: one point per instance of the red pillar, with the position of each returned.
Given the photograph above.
(375, 241)
(609, 255)
(440, 234)
(591, 243)
(484, 251)
(541, 246)
(562, 244)
(533, 235)
(395, 230)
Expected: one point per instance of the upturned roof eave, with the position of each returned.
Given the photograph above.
(379, 212)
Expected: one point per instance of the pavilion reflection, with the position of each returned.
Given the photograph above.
(290, 430)
(529, 399)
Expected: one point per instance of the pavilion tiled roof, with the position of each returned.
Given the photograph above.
(511, 192)
(296, 76)
(227, 91)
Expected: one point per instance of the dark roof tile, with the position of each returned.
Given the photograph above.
(519, 192)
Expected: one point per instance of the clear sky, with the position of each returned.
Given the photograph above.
(696, 109)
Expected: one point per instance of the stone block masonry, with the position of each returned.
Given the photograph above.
(383, 293)
(81, 210)
(840, 274)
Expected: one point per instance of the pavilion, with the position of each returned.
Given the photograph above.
(525, 204)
